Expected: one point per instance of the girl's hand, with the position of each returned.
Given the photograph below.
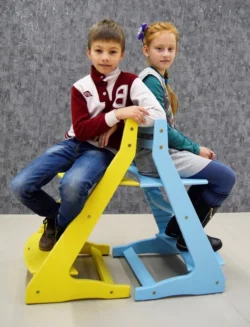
(206, 153)
(104, 138)
(134, 112)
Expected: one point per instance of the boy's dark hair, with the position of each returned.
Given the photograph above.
(107, 30)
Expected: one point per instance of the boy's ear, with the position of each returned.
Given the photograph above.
(122, 55)
(145, 50)
(88, 53)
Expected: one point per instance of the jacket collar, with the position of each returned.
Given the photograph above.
(99, 78)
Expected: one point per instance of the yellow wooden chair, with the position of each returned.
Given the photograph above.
(53, 272)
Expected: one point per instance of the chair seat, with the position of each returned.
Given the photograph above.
(146, 181)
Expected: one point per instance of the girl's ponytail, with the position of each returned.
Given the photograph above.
(172, 96)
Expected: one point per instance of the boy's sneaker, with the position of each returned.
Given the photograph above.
(48, 238)
(47, 241)
(59, 232)
(52, 232)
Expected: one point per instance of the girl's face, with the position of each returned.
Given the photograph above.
(161, 51)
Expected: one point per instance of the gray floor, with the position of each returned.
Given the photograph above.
(232, 308)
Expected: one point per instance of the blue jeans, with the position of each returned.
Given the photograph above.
(221, 180)
(83, 164)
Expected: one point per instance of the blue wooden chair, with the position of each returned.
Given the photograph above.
(204, 275)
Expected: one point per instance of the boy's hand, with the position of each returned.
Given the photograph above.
(206, 153)
(134, 112)
(104, 138)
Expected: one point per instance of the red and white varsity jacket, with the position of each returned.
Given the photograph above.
(95, 98)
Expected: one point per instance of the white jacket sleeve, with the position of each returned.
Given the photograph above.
(143, 97)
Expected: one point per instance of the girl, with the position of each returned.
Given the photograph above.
(160, 44)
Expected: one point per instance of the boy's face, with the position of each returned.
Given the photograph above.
(105, 55)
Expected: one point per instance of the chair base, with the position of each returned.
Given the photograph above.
(60, 286)
(195, 282)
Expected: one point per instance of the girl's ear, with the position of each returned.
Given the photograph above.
(145, 51)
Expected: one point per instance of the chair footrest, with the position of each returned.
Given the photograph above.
(186, 256)
(138, 268)
(101, 267)
(103, 248)
(34, 257)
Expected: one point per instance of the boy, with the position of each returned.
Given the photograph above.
(100, 102)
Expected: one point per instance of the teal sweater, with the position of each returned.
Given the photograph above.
(176, 139)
